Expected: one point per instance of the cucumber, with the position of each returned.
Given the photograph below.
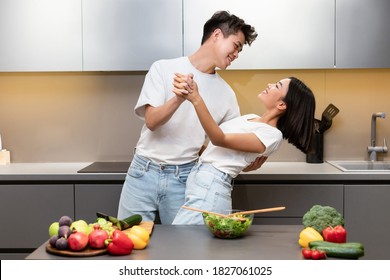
(349, 250)
(133, 220)
(317, 243)
(341, 252)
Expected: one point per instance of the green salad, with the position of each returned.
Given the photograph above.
(227, 227)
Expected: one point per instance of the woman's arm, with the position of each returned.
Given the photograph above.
(245, 142)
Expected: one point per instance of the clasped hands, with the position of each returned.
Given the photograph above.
(184, 86)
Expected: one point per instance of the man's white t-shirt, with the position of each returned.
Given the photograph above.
(233, 162)
(179, 140)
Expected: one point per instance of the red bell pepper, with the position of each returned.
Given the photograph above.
(336, 234)
(119, 244)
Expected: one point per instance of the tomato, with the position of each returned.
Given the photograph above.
(307, 253)
(315, 255)
(322, 254)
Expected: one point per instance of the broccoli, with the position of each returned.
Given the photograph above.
(319, 217)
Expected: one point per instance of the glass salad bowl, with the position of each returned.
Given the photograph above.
(233, 226)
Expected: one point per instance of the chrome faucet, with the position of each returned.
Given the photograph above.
(373, 150)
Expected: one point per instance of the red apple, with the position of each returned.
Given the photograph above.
(77, 241)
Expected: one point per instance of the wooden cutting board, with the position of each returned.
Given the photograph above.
(89, 252)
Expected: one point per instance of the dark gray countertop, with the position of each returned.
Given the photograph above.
(271, 171)
(184, 242)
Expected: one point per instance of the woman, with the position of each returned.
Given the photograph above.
(168, 148)
(289, 114)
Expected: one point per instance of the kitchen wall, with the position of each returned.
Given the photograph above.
(88, 116)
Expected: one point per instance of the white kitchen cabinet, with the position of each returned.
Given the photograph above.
(130, 34)
(40, 35)
(292, 34)
(362, 34)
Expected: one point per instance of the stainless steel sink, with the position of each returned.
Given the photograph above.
(361, 166)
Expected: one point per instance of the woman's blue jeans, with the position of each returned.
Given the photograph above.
(207, 189)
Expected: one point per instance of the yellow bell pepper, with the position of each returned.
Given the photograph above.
(139, 236)
(307, 235)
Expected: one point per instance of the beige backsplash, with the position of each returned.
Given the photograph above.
(69, 117)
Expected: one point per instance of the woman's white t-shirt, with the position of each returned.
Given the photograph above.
(233, 162)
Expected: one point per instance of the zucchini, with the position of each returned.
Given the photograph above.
(133, 220)
(349, 250)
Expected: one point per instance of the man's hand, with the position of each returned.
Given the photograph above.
(256, 164)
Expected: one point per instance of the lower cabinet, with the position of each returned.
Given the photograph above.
(367, 218)
(92, 198)
(297, 198)
(27, 210)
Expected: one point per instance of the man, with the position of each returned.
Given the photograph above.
(172, 135)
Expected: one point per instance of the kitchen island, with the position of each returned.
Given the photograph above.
(49, 190)
(195, 242)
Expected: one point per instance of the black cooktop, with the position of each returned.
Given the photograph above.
(106, 167)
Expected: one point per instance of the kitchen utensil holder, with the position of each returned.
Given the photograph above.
(315, 153)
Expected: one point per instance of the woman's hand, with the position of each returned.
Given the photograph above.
(183, 83)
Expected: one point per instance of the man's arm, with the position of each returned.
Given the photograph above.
(157, 116)
(256, 164)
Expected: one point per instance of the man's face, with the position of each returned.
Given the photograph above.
(228, 48)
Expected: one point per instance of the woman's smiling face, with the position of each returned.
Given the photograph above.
(275, 93)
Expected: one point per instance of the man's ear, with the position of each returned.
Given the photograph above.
(217, 33)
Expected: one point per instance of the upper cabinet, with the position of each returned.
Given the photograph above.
(292, 34)
(130, 34)
(40, 35)
(362, 34)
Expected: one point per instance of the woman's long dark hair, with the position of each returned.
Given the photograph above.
(297, 123)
